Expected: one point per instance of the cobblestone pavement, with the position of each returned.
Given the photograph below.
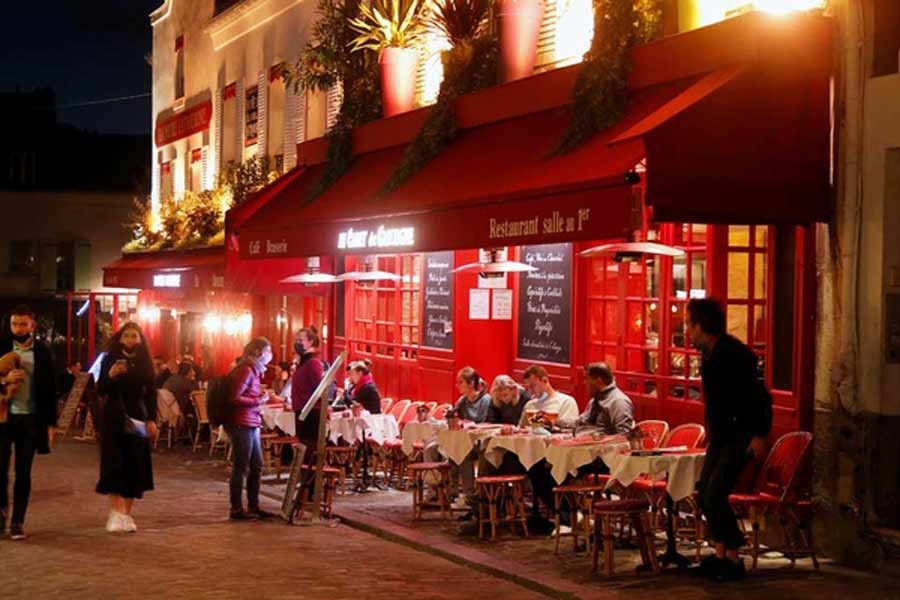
(187, 548)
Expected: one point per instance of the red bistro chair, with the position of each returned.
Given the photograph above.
(778, 492)
(399, 408)
(386, 404)
(440, 411)
(654, 433)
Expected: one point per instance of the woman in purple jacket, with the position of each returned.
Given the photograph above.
(303, 383)
(247, 396)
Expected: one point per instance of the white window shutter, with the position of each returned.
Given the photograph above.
(217, 139)
(262, 125)
(300, 123)
(546, 50)
(240, 101)
(290, 128)
(421, 73)
(206, 179)
(335, 97)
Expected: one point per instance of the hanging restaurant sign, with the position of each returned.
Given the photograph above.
(560, 217)
(188, 122)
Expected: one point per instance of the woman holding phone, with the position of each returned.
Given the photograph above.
(127, 422)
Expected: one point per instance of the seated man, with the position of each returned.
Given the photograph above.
(182, 384)
(610, 410)
(546, 404)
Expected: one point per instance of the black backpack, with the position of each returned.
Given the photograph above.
(219, 405)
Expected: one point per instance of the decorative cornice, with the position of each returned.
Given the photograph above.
(219, 24)
(161, 13)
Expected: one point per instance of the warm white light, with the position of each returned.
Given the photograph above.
(212, 323)
(245, 322)
(230, 326)
(147, 315)
(781, 7)
(433, 68)
(325, 331)
(574, 30)
(712, 11)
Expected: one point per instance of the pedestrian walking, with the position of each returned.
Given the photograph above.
(30, 415)
(127, 420)
(738, 420)
(244, 429)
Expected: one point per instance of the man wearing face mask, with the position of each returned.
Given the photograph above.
(32, 416)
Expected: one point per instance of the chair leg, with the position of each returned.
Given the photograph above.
(806, 535)
(557, 502)
(755, 543)
(608, 554)
(481, 516)
(595, 551)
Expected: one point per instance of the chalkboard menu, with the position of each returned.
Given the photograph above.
(545, 304)
(437, 329)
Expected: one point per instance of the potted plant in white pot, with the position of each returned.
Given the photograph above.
(519, 27)
(394, 29)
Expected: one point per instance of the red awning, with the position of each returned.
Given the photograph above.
(201, 268)
(495, 185)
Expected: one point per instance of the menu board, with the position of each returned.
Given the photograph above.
(545, 304)
(437, 315)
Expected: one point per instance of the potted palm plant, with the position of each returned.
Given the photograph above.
(461, 22)
(520, 26)
(394, 29)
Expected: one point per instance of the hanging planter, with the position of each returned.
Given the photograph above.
(520, 26)
(398, 79)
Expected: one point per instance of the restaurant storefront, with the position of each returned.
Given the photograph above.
(723, 157)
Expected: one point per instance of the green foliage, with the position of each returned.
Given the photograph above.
(242, 179)
(460, 21)
(326, 62)
(389, 23)
(140, 223)
(602, 85)
(469, 66)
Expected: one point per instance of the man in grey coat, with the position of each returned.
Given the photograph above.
(609, 410)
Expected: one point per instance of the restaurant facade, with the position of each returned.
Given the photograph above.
(721, 156)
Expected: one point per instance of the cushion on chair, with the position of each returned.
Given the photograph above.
(648, 485)
(429, 466)
(628, 505)
(596, 479)
(392, 444)
(497, 479)
(753, 500)
(578, 488)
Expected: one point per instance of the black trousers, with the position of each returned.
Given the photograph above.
(721, 472)
(542, 481)
(21, 431)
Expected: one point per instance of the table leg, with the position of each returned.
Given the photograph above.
(671, 555)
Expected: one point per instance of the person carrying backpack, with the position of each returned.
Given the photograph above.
(243, 426)
(303, 383)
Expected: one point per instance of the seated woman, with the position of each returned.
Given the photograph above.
(364, 390)
(508, 398)
(474, 402)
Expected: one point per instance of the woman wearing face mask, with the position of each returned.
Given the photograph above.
(364, 390)
(127, 425)
(248, 396)
(303, 383)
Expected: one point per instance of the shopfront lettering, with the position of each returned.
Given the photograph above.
(554, 223)
(382, 237)
(167, 280)
(276, 247)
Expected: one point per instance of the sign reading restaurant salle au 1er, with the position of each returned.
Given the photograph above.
(541, 220)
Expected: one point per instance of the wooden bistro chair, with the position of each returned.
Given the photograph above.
(386, 404)
(501, 492)
(779, 492)
(330, 479)
(199, 401)
(439, 474)
(607, 513)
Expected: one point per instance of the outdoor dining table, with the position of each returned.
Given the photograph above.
(567, 455)
(379, 427)
(457, 444)
(275, 416)
(414, 432)
(682, 470)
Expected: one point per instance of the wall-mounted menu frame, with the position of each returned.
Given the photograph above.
(545, 304)
(437, 310)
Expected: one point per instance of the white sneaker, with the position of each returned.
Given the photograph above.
(460, 504)
(115, 523)
(563, 530)
(128, 524)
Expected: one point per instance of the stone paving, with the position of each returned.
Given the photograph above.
(186, 547)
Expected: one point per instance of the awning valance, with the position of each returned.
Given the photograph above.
(202, 268)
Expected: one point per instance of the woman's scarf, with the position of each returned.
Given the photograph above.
(363, 380)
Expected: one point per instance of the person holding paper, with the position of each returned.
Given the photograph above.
(127, 425)
(547, 405)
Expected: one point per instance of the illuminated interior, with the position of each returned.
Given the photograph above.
(574, 30)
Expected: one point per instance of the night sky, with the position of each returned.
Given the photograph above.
(85, 50)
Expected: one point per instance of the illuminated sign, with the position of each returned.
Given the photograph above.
(167, 280)
(383, 237)
(256, 247)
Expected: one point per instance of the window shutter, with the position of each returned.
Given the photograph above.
(300, 110)
(240, 101)
(262, 102)
(421, 100)
(335, 97)
(206, 178)
(546, 50)
(291, 117)
(217, 133)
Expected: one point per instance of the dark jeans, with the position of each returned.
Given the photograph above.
(721, 471)
(248, 462)
(21, 431)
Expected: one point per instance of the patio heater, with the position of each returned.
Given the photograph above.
(368, 272)
(630, 251)
(313, 275)
(494, 262)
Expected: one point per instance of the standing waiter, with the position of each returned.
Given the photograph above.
(738, 419)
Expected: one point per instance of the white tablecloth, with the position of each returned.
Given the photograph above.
(683, 470)
(530, 449)
(456, 445)
(275, 416)
(566, 456)
(380, 427)
(420, 432)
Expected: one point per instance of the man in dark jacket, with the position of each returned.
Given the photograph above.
(738, 421)
(32, 416)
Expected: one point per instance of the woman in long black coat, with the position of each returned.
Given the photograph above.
(127, 422)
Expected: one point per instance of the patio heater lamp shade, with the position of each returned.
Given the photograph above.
(630, 251)
(492, 263)
(368, 273)
(312, 275)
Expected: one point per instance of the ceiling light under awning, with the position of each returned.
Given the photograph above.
(630, 251)
(368, 273)
(493, 263)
